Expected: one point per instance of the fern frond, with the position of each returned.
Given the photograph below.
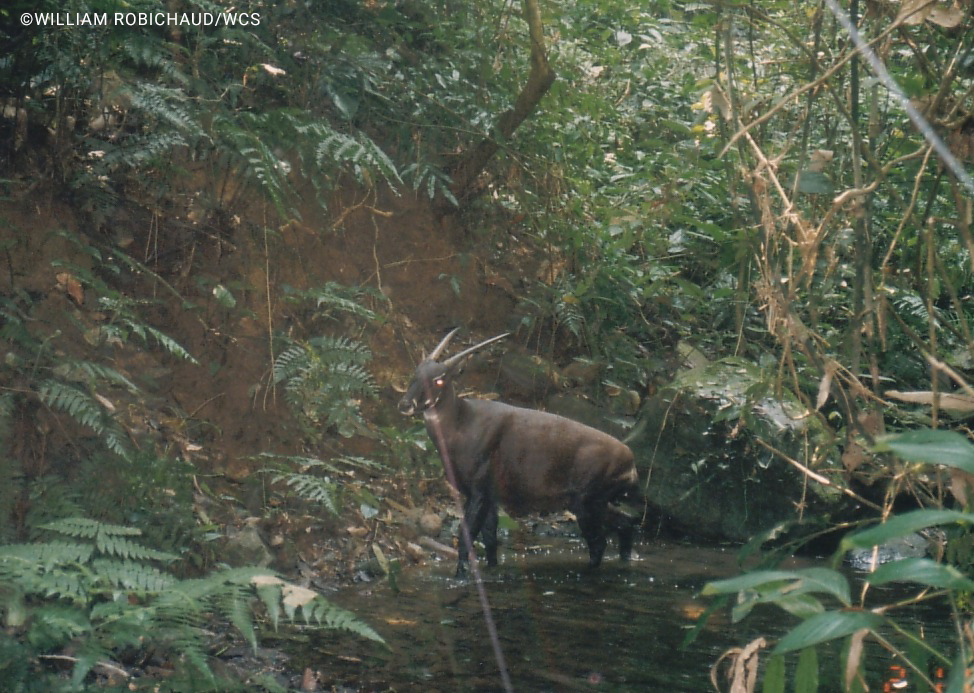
(340, 350)
(89, 529)
(96, 373)
(16, 559)
(113, 545)
(165, 341)
(436, 181)
(362, 155)
(144, 51)
(132, 576)
(109, 539)
(83, 408)
(77, 404)
(304, 462)
(312, 488)
(165, 105)
(275, 593)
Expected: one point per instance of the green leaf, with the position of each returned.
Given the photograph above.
(774, 675)
(825, 627)
(760, 578)
(805, 581)
(922, 571)
(901, 525)
(814, 183)
(806, 674)
(224, 296)
(930, 446)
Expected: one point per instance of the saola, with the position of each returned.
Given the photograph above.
(524, 460)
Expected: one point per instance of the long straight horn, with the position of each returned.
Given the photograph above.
(435, 354)
(455, 359)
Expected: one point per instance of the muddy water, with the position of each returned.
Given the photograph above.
(560, 626)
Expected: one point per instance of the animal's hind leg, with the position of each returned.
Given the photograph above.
(591, 521)
(625, 527)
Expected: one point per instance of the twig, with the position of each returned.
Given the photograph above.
(106, 666)
(801, 90)
(816, 476)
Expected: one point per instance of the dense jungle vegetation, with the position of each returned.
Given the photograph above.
(225, 246)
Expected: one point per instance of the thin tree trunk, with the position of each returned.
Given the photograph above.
(539, 81)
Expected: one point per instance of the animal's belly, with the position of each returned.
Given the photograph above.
(518, 503)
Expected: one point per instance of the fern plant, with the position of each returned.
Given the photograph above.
(315, 480)
(325, 380)
(333, 299)
(93, 589)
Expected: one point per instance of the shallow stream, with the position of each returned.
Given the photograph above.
(560, 626)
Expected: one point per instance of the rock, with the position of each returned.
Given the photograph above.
(527, 378)
(710, 479)
(415, 552)
(246, 548)
(577, 408)
(430, 524)
(910, 546)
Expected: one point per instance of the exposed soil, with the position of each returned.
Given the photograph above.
(435, 271)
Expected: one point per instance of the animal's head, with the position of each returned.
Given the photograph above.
(433, 379)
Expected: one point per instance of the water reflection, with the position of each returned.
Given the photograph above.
(561, 626)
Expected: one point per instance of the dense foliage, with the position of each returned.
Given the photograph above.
(729, 175)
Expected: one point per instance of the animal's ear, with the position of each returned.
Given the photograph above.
(455, 367)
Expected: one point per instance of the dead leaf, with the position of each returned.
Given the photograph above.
(265, 580)
(719, 102)
(72, 287)
(105, 402)
(853, 456)
(854, 657)
(913, 12)
(381, 558)
(950, 402)
(825, 386)
(872, 422)
(819, 159)
(400, 622)
(309, 681)
(947, 17)
(962, 486)
(743, 673)
(272, 70)
(357, 532)
(295, 596)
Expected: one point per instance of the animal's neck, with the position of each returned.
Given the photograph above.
(445, 414)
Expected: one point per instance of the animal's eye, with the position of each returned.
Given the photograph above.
(439, 382)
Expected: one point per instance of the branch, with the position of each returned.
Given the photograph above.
(539, 81)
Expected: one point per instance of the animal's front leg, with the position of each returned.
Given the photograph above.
(474, 514)
(489, 533)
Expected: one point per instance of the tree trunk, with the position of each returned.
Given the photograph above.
(539, 81)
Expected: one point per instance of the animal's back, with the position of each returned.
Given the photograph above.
(543, 462)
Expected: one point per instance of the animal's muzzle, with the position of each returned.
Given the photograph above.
(407, 407)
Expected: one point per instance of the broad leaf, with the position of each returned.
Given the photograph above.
(901, 525)
(825, 627)
(814, 183)
(922, 571)
(930, 446)
(809, 580)
(774, 675)
(806, 673)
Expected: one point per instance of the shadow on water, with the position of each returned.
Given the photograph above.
(561, 626)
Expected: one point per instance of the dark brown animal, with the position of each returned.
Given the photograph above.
(525, 460)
